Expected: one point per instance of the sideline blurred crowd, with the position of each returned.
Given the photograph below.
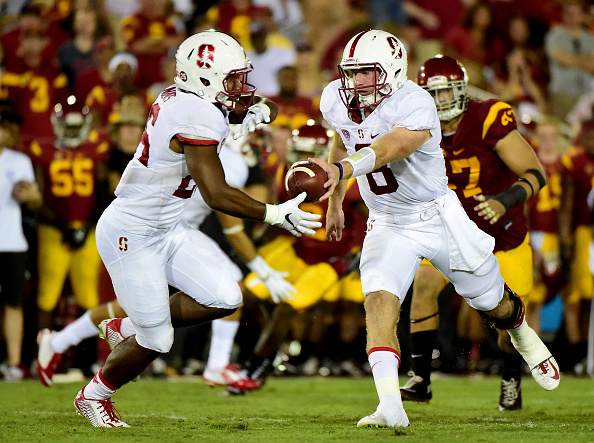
(78, 77)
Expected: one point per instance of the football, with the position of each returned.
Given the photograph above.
(306, 177)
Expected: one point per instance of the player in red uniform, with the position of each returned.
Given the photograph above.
(316, 267)
(70, 170)
(575, 236)
(493, 171)
(149, 34)
(543, 212)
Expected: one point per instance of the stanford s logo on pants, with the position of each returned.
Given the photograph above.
(123, 244)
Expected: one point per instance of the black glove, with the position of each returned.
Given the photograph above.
(75, 238)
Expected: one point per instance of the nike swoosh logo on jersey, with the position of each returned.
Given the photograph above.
(289, 220)
(374, 136)
(459, 151)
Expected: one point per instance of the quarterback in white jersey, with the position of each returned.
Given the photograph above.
(389, 139)
(141, 237)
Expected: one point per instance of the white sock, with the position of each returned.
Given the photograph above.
(74, 333)
(527, 343)
(221, 342)
(127, 327)
(384, 364)
(98, 388)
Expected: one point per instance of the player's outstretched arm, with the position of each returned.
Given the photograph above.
(279, 288)
(206, 170)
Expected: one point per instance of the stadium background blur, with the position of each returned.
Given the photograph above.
(115, 57)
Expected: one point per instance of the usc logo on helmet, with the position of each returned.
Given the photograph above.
(205, 56)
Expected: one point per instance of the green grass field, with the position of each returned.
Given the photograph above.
(300, 409)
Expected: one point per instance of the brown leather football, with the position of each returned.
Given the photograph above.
(306, 177)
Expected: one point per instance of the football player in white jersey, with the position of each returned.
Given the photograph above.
(390, 140)
(141, 237)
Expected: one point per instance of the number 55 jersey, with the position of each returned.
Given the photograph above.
(473, 168)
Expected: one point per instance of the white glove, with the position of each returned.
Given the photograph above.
(288, 216)
(279, 288)
(255, 115)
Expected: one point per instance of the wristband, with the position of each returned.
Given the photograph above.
(522, 179)
(271, 213)
(339, 166)
(512, 197)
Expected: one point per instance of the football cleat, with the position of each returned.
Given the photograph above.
(511, 395)
(375, 420)
(110, 331)
(244, 383)
(101, 413)
(47, 360)
(222, 377)
(543, 366)
(416, 389)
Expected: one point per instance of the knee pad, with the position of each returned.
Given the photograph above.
(516, 318)
(157, 338)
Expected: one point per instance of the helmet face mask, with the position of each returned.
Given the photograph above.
(376, 52)
(447, 82)
(213, 65)
(309, 141)
(71, 123)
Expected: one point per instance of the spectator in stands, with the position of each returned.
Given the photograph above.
(288, 16)
(570, 49)
(76, 55)
(149, 34)
(234, 17)
(17, 187)
(267, 57)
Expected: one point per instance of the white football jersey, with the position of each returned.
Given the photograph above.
(236, 175)
(156, 185)
(402, 185)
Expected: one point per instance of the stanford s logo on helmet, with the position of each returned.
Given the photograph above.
(213, 65)
(205, 56)
(445, 74)
(376, 51)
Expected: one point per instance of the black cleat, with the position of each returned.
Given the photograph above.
(511, 395)
(416, 389)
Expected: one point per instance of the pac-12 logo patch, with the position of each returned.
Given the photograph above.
(123, 244)
(346, 134)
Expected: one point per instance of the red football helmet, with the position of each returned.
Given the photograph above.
(309, 141)
(442, 73)
(71, 122)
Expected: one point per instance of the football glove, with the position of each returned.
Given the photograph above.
(255, 115)
(279, 288)
(288, 216)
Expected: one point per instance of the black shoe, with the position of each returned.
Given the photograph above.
(511, 395)
(416, 389)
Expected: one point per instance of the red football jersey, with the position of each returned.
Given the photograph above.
(70, 176)
(138, 27)
(473, 167)
(35, 91)
(581, 168)
(316, 249)
(544, 206)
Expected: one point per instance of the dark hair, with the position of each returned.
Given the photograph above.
(9, 114)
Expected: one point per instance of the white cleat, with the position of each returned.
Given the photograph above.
(111, 332)
(47, 359)
(375, 420)
(101, 413)
(543, 366)
(221, 377)
(380, 420)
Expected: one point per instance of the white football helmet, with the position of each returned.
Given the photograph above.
(214, 66)
(71, 121)
(375, 50)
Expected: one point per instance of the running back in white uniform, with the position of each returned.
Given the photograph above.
(407, 185)
(142, 238)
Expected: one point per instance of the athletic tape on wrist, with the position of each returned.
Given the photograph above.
(362, 161)
(271, 214)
